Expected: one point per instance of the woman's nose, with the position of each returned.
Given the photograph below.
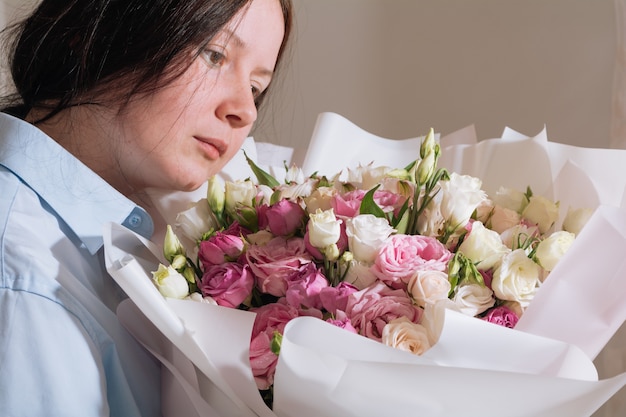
(238, 106)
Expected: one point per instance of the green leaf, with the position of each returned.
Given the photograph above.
(263, 177)
(369, 206)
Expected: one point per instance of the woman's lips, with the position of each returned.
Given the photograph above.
(214, 148)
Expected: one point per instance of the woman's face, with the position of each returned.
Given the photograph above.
(185, 133)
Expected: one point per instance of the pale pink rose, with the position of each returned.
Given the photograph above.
(283, 218)
(270, 318)
(304, 287)
(335, 299)
(275, 262)
(428, 287)
(220, 248)
(402, 255)
(501, 315)
(369, 310)
(229, 284)
(342, 322)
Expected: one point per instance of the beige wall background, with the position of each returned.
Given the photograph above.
(398, 67)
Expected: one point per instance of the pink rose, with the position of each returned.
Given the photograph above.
(501, 315)
(335, 299)
(342, 322)
(369, 310)
(229, 284)
(275, 262)
(348, 204)
(303, 287)
(220, 248)
(283, 218)
(402, 255)
(388, 201)
(270, 318)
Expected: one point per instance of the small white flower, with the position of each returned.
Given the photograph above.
(324, 228)
(170, 283)
(550, 250)
(516, 278)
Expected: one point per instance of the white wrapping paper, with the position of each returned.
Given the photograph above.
(324, 370)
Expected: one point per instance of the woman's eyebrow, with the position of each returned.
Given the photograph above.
(231, 36)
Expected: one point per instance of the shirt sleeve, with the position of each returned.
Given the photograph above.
(49, 364)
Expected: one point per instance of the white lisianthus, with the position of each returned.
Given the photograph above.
(324, 228)
(366, 176)
(511, 199)
(542, 212)
(516, 278)
(503, 218)
(295, 174)
(403, 334)
(293, 191)
(428, 287)
(459, 198)
(483, 246)
(473, 299)
(431, 222)
(575, 219)
(551, 249)
(360, 274)
(239, 193)
(170, 282)
(196, 220)
(197, 297)
(366, 234)
(320, 198)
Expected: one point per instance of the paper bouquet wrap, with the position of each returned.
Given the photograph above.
(542, 368)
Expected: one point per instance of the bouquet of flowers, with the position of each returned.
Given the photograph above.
(297, 282)
(375, 250)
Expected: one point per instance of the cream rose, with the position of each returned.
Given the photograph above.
(403, 334)
(503, 218)
(473, 299)
(542, 212)
(239, 193)
(550, 250)
(483, 246)
(575, 219)
(366, 234)
(516, 278)
(320, 199)
(428, 287)
(511, 199)
(324, 229)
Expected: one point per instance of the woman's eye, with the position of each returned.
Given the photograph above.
(213, 58)
(256, 92)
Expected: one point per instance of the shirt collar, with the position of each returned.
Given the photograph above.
(78, 195)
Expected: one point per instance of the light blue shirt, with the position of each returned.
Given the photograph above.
(62, 350)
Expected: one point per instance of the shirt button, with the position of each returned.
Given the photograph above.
(135, 221)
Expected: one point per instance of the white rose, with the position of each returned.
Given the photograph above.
(239, 193)
(196, 220)
(324, 228)
(511, 199)
(484, 211)
(459, 198)
(403, 334)
(366, 234)
(428, 287)
(473, 299)
(483, 246)
(170, 282)
(516, 278)
(320, 199)
(360, 274)
(503, 218)
(541, 211)
(551, 249)
(518, 235)
(575, 219)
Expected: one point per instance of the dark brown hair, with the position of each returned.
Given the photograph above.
(68, 53)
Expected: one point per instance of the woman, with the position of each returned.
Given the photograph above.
(113, 98)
